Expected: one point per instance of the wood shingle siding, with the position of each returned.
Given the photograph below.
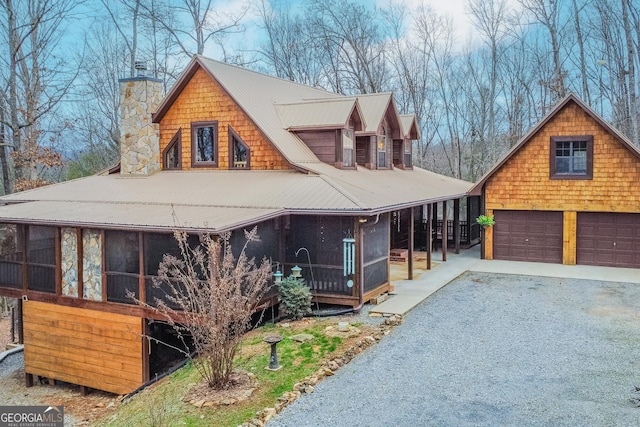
(85, 347)
(606, 188)
(523, 181)
(204, 100)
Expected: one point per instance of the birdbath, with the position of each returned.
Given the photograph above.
(273, 341)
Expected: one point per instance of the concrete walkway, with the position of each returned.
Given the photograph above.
(409, 293)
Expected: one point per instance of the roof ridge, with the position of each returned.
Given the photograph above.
(249, 70)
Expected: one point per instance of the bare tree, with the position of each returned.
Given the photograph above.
(194, 23)
(354, 49)
(289, 50)
(211, 297)
(36, 80)
(548, 14)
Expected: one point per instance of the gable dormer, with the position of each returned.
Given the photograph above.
(374, 144)
(326, 126)
(403, 148)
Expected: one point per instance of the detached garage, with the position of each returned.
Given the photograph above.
(568, 192)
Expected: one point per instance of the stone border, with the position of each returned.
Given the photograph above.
(328, 368)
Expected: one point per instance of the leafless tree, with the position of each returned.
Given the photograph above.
(36, 76)
(211, 297)
(193, 24)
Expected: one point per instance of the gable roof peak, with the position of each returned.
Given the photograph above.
(571, 97)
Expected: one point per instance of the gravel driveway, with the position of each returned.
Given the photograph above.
(494, 350)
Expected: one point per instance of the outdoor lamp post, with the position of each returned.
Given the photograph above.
(295, 272)
(277, 277)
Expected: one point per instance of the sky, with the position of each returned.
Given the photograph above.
(456, 9)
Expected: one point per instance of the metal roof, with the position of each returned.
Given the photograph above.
(326, 113)
(221, 200)
(257, 94)
(262, 98)
(410, 127)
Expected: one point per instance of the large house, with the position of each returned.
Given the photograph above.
(568, 192)
(226, 149)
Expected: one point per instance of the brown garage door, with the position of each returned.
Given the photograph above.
(528, 236)
(609, 239)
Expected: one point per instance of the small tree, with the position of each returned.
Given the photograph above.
(211, 296)
(294, 297)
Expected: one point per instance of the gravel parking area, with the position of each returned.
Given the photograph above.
(491, 349)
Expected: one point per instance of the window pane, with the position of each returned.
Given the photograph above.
(171, 161)
(580, 162)
(240, 154)
(563, 165)
(205, 144)
(348, 157)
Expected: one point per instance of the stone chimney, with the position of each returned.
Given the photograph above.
(139, 138)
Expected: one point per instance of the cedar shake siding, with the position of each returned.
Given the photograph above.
(523, 181)
(203, 100)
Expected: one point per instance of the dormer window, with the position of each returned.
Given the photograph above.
(382, 149)
(204, 144)
(238, 151)
(347, 148)
(407, 153)
(172, 156)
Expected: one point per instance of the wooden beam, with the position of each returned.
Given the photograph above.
(103, 250)
(142, 291)
(456, 225)
(445, 236)
(146, 353)
(429, 234)
(58, 256)
(411, 244)
(80, 255)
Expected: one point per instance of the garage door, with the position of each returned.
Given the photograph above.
(528, 236)
(609, 239)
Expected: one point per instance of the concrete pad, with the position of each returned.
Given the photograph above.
(585, 272)
(409, 293)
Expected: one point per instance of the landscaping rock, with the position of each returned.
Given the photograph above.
(268, 413)
(302, 337)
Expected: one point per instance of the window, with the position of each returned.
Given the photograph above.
(238, 151)
(204, 144)
(382, 150)
(407, 153)
(172, 154)
(347, 148)
(571, 157)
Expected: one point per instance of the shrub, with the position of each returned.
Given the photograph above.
(294, 297)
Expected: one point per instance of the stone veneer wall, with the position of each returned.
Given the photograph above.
(139, 137)
(69, 262)
(92, 265)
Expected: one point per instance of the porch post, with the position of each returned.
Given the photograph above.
(411, 244)
(456, 224)
(445, 236)
(429, 235)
